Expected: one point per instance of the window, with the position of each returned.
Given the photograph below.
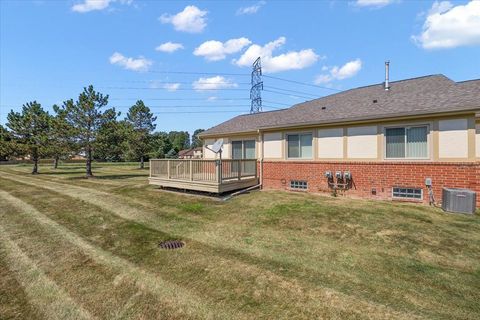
(244, 149)
(407, 193)
(299, 145)
(298, 184)
(406, 142)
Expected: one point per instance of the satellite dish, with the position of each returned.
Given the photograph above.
(217, 146)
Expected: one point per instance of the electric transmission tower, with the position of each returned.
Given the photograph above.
(257, 87)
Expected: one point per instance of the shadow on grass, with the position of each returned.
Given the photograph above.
(110, 177)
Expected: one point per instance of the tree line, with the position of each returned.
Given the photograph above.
(89, 128)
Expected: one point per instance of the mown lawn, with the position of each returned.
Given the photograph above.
(72, 248)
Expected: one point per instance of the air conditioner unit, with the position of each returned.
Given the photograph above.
(459, 200)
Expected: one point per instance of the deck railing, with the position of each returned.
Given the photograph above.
(215, 171)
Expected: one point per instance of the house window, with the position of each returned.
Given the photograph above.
(407, 193)
(299, 145)
(406, 142)
(298, 184)
(244, 149)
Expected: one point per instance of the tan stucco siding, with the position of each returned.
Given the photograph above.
(453, 138)
(330, 143)
(273, 145)
(208, 154)
(450, 138)
(362, 142)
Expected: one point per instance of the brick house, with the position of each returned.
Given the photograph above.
(379, 141)
(192, 153)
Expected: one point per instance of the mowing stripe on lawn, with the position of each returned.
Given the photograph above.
(171, 293)
(329, 297)
(42, 292)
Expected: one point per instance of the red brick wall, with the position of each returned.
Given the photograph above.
(379, 175)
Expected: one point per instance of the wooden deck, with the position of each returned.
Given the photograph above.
(204, 175)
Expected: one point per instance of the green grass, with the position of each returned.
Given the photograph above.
(77, 248)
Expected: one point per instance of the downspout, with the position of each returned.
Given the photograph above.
(260, 134)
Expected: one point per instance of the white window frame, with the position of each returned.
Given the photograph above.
(298, 134)
(243, 148)
(406, 127)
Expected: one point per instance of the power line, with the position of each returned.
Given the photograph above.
(196, 112)
(179, 89)
(180, 99)
(192, 106)
(288, 94)
(294, 91)
(275, 102)
(200, 73)
(302, 83)
(172, 82)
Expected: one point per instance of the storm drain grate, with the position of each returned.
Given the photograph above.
(171, 244)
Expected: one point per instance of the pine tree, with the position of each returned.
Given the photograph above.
(61, 140)
(86, 116)
(31, 129)
(6, 141)
(143, 123)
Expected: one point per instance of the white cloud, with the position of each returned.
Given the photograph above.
(373, 3)
(292, 60)
(348, 70)
(448, 26)
(171, 86)
(213, 83)
(251, 9)
(138, 64)
(95, 5)
(191, 19)
(169, 47)
(215, 50)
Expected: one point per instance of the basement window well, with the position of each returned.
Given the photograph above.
(407, 193)
(298, 185)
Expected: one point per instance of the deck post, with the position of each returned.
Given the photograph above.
(168, 169)
(218, 169)
(191, 170)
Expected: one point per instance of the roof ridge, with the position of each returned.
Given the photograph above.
(263, 112)
(373, 85)
(463, 81)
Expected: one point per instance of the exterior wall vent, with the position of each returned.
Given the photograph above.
(459, 200)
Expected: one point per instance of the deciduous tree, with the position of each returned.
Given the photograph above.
(179, 139)
(159, 145)
(196, 142)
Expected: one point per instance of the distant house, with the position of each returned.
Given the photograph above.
(379, 141)
(194, 153)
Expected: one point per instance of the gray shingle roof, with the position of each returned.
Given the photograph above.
(424, 95)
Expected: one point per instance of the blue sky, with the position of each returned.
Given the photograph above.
(50, 50)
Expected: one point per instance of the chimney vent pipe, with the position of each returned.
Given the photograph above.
(387, 66)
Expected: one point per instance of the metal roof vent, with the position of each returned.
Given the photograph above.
(375, 100)
(387, 67)
(323, 108)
